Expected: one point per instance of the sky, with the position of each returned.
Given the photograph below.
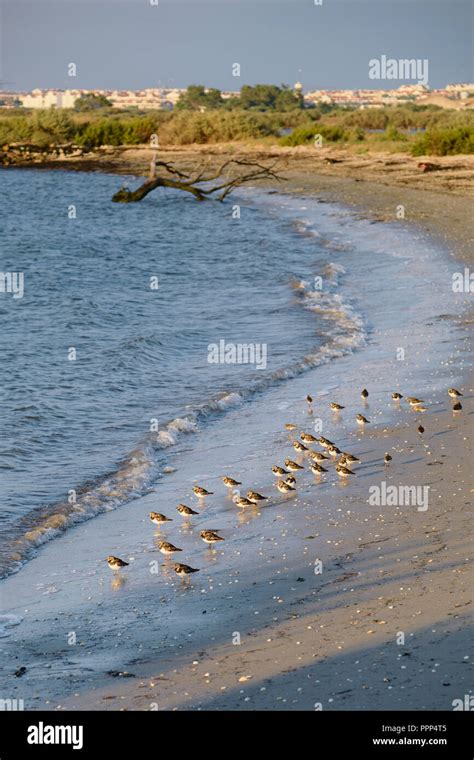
(133, 44)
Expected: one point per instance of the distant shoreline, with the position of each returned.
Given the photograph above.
(377, 184)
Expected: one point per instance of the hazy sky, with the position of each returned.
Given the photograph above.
(131, 44)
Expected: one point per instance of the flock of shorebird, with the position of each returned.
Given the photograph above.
(286, 478)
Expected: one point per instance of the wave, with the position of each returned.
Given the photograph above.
(306, 228)
(343, 332)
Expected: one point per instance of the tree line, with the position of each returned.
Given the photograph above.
(260, 97)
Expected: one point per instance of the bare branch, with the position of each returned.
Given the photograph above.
(195, 183)
(200, 177)
(171, 169)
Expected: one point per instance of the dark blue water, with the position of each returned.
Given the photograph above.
(141, 354)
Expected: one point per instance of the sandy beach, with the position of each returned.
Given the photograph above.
(305, 640)
(325, 641)
(387, 622)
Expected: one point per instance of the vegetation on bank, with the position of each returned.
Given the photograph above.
(421, 130)
(91, 102)
(125, 128)
(445, 142)
(259, 97)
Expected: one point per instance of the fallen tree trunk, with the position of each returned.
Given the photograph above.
(198, 183)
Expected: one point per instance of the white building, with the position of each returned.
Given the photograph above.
(40, 99)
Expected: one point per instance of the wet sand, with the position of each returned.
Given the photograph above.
(332, 641)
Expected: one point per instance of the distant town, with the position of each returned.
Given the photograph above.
(459, 96)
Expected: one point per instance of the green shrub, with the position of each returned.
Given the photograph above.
(103, 132)
(445, 142)
(41, 128)
(17, 129)
(357, 134)
(56, 124)
(409, 116)
(366, 119)
(186, 128)
(392, 133)
(448, 131)
(307, 135)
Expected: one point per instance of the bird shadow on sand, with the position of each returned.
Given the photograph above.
(412, 461)
(370, 473)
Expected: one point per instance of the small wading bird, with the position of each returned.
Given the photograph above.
(316, 469)
(115, 563)
(241, 501)
(201, 493)
(283, 487)
(230, 482)
(286, 483)
(185, 510)
(255, 497)
(184, 571)
(309, 399)
(349, 457)
(293, 466)
(343, 471)
(279, 471)
(325, 442)
(299, 446)
(158, 518)
(317, 456)
(210, 537)
(343, 460)
(166, 548)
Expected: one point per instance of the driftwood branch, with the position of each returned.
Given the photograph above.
(197, 183)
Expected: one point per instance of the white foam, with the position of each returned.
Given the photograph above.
(169, 436)
(229, 401)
